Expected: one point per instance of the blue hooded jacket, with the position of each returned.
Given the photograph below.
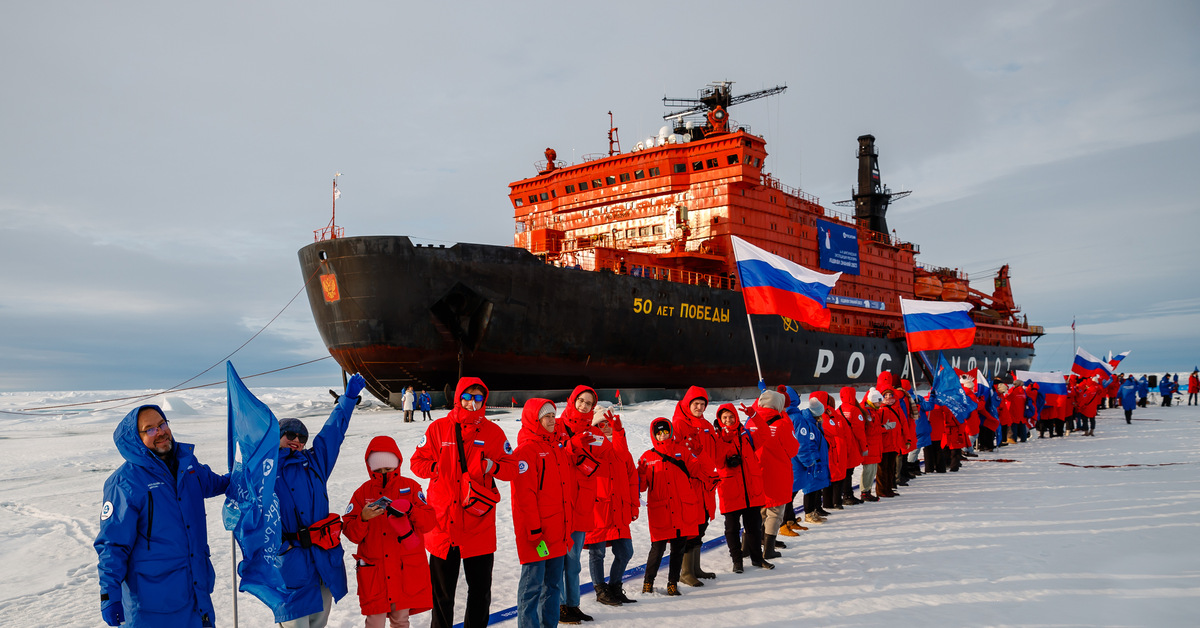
(153, 540)
(304, 500)
(1164, 386)
(424, 401)
(810, 465)
(1128, 393)
(1143, 387)
(924, 429)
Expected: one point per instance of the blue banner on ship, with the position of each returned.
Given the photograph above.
(863, 303)
(839, 247)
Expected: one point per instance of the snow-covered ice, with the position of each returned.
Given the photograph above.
(1015, 538)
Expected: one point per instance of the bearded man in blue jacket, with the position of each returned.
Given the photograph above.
(153, 541)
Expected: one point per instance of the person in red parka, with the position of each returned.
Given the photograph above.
(666, 473)
(1087, 395)
(589, 450)
(617, 506)
(778, 445)
(542, 494)
(740, 488)
(462, 454)
(855, 436)
(889, 415)
(386, 517)
(1193, 387)
(698, 435)
(831, 427)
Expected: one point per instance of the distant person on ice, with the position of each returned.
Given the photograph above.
(1193, 387)
(408, 403)
(313, 570)
(1128, 394)
(1164, 389)
(425, 403)
(153, 540)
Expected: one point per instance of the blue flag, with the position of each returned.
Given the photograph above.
(949, 392)
(252, 510)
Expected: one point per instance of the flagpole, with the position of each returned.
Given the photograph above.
(754, 345)
(233, 561)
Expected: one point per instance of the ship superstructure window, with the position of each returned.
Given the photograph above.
(597, 183)
(658, 229)
(643, 231)
(697, 165)
(712, 163)
(518, 202)
(610, 180)
(639, 174)
(680, 168)
(654, 172)
(570, 189)
(544, 196)
(629, 233)
(582, 185)
(624, 177)
(553, 194)
(533, 198)
(733, 159)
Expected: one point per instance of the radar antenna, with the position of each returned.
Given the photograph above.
(717, 94)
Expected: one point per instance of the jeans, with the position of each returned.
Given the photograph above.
(538, 593)
(622, 553)
(570, 590)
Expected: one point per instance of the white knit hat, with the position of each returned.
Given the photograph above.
(382, 460)
(874, 397)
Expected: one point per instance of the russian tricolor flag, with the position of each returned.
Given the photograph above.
(1114, 361)
(1087, 365)
(773, 285)
(937, 325)
(1052, 386)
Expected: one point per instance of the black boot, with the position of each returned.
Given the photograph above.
(700, 573)
(565, 616)
(618, 592)
(605, 596)
(580, 614)
(769, 547)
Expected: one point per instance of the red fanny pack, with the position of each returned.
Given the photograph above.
(587, 464)
(326, 533)
(478, 499)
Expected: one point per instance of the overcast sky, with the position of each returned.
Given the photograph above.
(161, 163)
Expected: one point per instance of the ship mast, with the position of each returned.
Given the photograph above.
(871, 197)
(331, 231)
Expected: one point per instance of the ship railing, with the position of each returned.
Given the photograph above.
(676, 275)
(891, 240)
(942, 271)
(844, 217)
(772, 182)
(328, 233)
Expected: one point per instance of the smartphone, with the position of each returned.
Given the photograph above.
(542, 550)
(382, 502)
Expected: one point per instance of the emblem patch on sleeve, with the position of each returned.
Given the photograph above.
(106, 511)
(522, 466)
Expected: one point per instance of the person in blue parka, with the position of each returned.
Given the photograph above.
(153, 541)
(810, 465)
(1143, 391)
(1128, 393)
(315, 576)
(424, 402)
(1164, 389)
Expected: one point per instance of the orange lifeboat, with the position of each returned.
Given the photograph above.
(927, 287)
(954, 290)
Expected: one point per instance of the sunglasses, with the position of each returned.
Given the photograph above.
(303, 438)
(469, 397)
(157, 429)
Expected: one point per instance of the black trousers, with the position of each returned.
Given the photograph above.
(885, 480)
(443, 576)
(789, 511)
(987, 438)
(750, 519)
(656, 553)
(1129, 416)
(698, 540)
(933, 459)
(812, 501)
(848, 484)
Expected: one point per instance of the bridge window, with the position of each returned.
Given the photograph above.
(518, 202)
(597, 183)
(712, 163)
(582, 185)
(624, 177)
(697, 165)
(733, 159)
(533, 198)
(610, 180)
(654, 172)
(639, 174)
(570, 189)
(644, 231)
(544, 196)
(680, 168)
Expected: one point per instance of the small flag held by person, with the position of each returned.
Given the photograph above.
(949, 393)
(1052, 386)
(774, 285)
(937, 325)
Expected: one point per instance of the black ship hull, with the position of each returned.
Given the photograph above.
(405, 315)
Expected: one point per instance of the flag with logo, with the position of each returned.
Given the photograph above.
(949, 392)
(774, 285)
(251, 507)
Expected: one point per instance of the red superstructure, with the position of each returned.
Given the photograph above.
(666, 210)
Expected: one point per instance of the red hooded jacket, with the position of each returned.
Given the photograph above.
(391, 565)
(666, 473)
(617, 496)
(698, 435)
(543, 491)
(437, 459)
(1087, 397)
(855, 432)
(588, 448)
(775, 453)
(741, 485)
(831, 427)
